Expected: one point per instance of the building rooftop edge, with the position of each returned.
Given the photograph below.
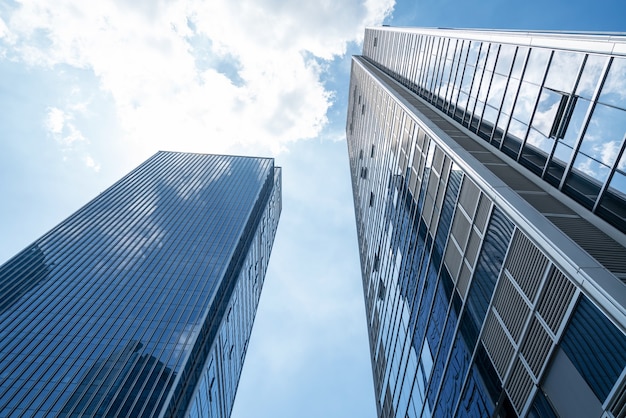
(599, 42)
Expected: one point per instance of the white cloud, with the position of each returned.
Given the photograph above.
(145, 55)
(91, 163)
(61, 127)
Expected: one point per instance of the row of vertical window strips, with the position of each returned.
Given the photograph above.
(501, 233)
(390, 269)
(216, 392)
(45, 296)
(612, 334)
(560, 114)
(184, 392)
(50, 249)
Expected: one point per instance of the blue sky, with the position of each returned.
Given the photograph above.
(89, 90)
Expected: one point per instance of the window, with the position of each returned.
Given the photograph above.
(599, 364)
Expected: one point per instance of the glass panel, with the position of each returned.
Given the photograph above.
(536, 150)
(498, 85)
(599, 367)
(518, 65)
(525, 102)
(586, 179)
(489, 119)
(564, 70)
(613, 204)
(590, 76)
(576, 120)
(536, 67)
(614, 89)
(491, 59)
(547, 108)
(473, 53)
(605, 134)
(509, 97)
(505, 59)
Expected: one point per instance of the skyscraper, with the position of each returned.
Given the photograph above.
(142, 302)
(489, 182)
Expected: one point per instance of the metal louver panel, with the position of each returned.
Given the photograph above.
(469, 196)
(526, 264)
(453, 259)
(482, 214)
(511, 307)
(555, 299)
(618, 409)
(536, 346)
(498, 345)
(520, 385)
(460, 228)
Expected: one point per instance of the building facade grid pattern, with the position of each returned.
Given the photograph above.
(460, 324)
(559, 112)
(101, 315)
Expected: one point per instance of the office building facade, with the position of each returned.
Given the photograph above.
(489, 183)
(142, 302)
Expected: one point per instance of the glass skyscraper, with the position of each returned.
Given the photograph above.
(142, 302)
(489, 182)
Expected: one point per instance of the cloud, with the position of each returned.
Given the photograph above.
(200, 75)
(60, 125)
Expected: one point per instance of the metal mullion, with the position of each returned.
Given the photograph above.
(414, 60)
(439, 65)
(462, 64)
(587, 119)
(144, 270)
(16, 270)
(570, 98)
(185, 232)
(414, 218)
(475, 66)
(417, 60)
(504, 93)
(450, 302)
(457, 328)
(519, 87)
(407, 60)
(493, 72)
(533, 114)
(606, 183)
(490, 305)
(451, 78)
(434, 66)
(51, 293)
(480, 81)
(89, 400)
(426, 61)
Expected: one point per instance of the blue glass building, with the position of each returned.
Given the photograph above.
(488, 174)
(142, 302)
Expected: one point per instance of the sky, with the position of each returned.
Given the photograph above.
(88, 90)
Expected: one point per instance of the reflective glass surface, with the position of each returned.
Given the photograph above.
(530, 102)
(465, 307)
(113, 312)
